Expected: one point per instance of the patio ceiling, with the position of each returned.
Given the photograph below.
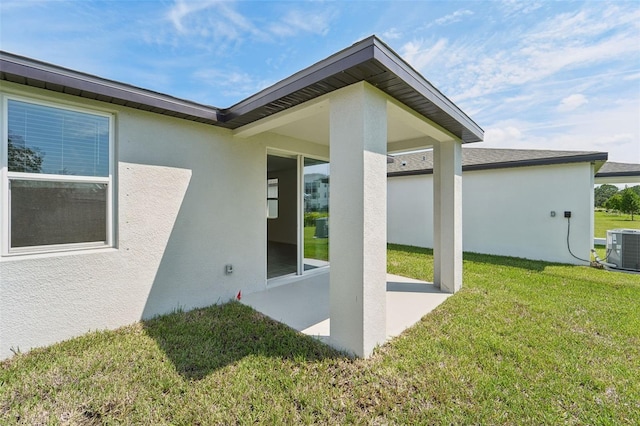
(406, 129)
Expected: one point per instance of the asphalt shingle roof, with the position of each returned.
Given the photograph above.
(491, 158)
(618, 169)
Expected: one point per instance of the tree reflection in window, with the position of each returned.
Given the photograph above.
(22, 158)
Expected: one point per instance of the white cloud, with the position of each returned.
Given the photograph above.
(608, 127)
(520, 99)
(456, 16)
(502, 136)
(218, 23)
(297, 21)
(572, 102)
(470, 68)
(207, 21)
(231, 83)
(182, 9)
(419, 54)
(216, 77)
(514, 7)
(391, 34)
(537, 62)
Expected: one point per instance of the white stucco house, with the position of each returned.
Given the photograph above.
(513, 202)
(618, 173)
(120, 203)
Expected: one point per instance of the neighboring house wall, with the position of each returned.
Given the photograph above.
(316, 189)
(505, 211)
(190, 198)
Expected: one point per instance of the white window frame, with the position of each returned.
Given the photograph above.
(6, 177)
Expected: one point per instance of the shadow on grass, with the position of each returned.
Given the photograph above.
(201, 341)
(410, 249)
(514, 262)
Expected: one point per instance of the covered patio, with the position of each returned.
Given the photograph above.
(305, 306)
(352, 110)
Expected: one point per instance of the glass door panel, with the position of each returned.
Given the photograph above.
(316, 213)
(282, 216)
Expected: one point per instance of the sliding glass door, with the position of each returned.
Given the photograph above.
(297, 212)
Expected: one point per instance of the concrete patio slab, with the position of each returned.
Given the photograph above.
(304, 305)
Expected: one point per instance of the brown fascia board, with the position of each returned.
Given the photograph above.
(328, 67)
(407, 73)
(370, 51)
(617, 174)
(52, 77)
(598, 158)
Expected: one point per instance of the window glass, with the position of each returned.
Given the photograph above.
(272, 188)
(272, 209)
(66, 197)
(44, 139)
(316, 213)
(272, 198)
(44, 213)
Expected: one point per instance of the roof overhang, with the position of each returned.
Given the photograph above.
(369, 60)
(471, 162)
(618, 173)
(30, 72)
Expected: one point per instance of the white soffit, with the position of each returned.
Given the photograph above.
(406, 129)
(404, 124)
(286, 122)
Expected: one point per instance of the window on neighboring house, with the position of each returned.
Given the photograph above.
(58, 181)
(272, 198)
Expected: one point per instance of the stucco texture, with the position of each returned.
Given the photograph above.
(505, 211)
(357, 234)
(189, 199)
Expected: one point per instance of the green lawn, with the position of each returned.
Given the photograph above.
(604, 221)
(315, 248)
(524, 342)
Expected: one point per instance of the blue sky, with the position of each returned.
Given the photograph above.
(532, 74)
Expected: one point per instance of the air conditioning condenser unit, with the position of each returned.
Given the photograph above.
(623, 249)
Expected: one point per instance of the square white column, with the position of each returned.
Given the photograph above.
(447, 215)
(358, 223)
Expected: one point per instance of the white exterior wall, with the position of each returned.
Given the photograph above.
(410, 210)
(505, 211)
(190, 199)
